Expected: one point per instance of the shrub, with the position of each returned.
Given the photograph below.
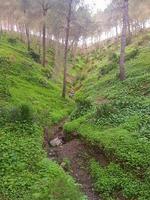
(132, 54)
(72, 126)
(113, 62)
(113, 57)
(4, 113)
(145, 40)
(12, 41)
(34, 56)
(22, 113)
(80, 77)
(104, 110)
(4, 91)
(107, 68)
(5, 61)
(83, 105)
(47, 72)
(43, 82)
(144, 126)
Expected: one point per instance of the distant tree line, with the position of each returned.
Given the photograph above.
(71, 23)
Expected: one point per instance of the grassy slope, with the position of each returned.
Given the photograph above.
(114, 116)
(26, 173)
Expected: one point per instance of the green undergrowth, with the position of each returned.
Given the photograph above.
(26, 173)
(29, 101)
(113, 182)
(26, 82)
(116, 119)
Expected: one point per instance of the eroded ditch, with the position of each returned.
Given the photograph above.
(73, 155)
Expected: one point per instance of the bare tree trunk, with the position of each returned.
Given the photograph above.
(66, 48)
(129, 29)
(122, 74)
(44, 44)
(128, 23)
(117, 34)
(132, 27)
(39, 43)
(22, 33)
(28, 36)
(1, 29)
(75, 48)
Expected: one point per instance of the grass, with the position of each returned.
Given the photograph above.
(26, 173)
(118, 120)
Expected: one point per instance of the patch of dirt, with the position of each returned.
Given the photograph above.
(74, 157)
(102, 100)
(98, 155)
(75, 152)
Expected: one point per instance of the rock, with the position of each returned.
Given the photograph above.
(51, 154)
(63, 164)
(56, 142)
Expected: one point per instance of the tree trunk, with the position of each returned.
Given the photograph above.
(28, 36)
(1, 29)
(129, 29)
(66, 48)
(122, 74)
(128, 23)
(117, 34)
(56, 57)
(44, 44)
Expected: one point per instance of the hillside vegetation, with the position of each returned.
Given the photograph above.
(114, 117)
(110, 116)
(29, 101)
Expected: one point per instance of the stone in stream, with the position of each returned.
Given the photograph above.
(56, 142)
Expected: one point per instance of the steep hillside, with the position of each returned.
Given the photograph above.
(106, 139)
(29, 101)
(114, 117)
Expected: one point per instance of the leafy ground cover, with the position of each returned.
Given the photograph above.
(112, 181)
(116, 119)
(29, 101)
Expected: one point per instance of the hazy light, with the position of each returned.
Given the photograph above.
(97, 4)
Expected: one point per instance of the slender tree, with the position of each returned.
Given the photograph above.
(45, 6)
(122, 74)
(68, 20)
(25, 6)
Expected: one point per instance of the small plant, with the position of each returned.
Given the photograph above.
(5, 61)
(47, 72)
(35, 56)
(132, 54)
(144, 126)
(104, 110)
(43, 82)
(83, 105)
(4, 91)
(22, 113)
(113, 57)
(12, 41)
(112, 64)
(66, 164)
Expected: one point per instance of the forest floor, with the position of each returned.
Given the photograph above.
(73, 155)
